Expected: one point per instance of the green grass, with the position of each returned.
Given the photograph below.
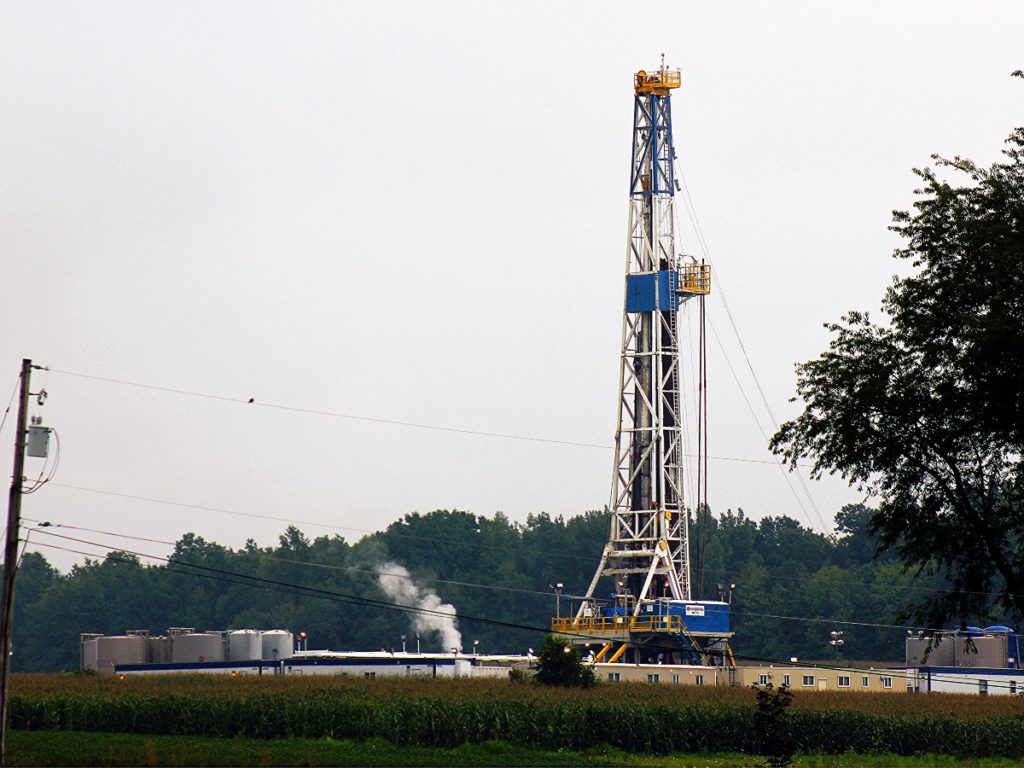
(73, 748)
(41, 748)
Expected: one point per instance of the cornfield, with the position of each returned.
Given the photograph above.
(652, 719)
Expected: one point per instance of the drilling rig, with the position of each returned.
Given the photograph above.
(648, 612)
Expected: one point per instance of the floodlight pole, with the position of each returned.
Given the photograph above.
(11, 554)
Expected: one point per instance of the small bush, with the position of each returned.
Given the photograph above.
(774, 736)
(560, 663)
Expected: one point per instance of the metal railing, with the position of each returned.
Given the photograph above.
(659, 80)
(617, 624)
(695, 278)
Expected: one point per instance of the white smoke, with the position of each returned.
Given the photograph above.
(440, 619)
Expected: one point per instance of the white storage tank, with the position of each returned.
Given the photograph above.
(197, 648)
(159, 652)
(245, 645)
(987, 651)
(88, 658)
(278, 644)
(119, 649)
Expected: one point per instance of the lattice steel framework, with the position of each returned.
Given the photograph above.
(647, 552)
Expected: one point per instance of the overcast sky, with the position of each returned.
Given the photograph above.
(417, 212)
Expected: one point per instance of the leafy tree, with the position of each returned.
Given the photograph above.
(856, 543)
(36, 577)
(771, 725)
(561, 664)
(926, 411)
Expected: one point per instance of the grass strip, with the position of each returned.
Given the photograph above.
(74, 748)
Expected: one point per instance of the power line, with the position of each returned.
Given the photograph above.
(303, 591)
(369, 419)
(220, 574)
(217, 574)
(329, 526)
(306, 563)
(262, 580)
(47, 524)
(10, 402)
(353, 569)
(509, 548)
(730, 575)
(331, 414)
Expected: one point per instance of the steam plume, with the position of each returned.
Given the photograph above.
(397, 584)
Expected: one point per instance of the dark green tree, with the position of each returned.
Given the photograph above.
(772, 726)
(560, 663)
(925, 411)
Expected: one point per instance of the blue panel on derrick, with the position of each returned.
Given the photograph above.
(709, 617)
(640, 293)
(703, 617)
(648, 292)
(668, 287)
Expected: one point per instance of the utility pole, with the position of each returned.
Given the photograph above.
(11, 553)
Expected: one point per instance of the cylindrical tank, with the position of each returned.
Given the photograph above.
(245, 645)
(89, 652)
(159, 650)
(278, 644)
(119, 649)
(197, 648)
(990, 651)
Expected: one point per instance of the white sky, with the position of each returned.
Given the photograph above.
(417, 211)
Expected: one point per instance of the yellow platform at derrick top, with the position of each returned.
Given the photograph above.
(657, 82)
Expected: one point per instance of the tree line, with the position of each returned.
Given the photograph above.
(792, 586)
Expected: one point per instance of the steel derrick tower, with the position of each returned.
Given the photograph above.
(647, 552)
(651, 612)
